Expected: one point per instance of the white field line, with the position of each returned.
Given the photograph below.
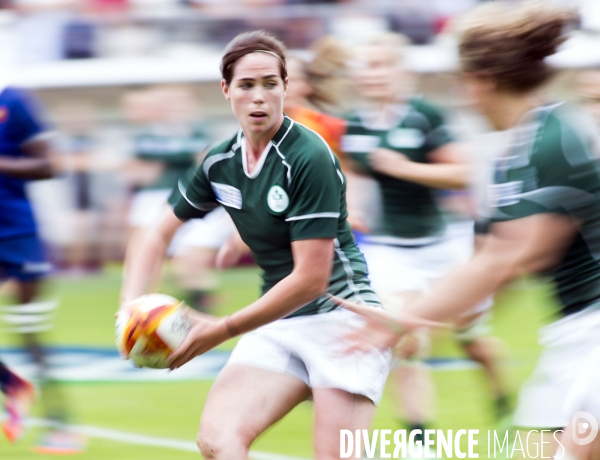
(143, 440)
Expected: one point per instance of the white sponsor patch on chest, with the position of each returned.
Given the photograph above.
(277, 199)
(357, 143)
(407, 138)
(227, 195)
(505, 194)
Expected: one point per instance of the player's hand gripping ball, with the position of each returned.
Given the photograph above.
(150, 328)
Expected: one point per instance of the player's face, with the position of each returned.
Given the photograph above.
(380, 75)
(256, 93)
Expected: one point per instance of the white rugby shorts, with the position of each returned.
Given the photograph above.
(311, 348)
(395, 269)
(566, 376)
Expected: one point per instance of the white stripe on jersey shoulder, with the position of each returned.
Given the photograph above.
(333, 215)
(527, 131)
(286, 133)
(210, 161)
(281, 155)
(182, 190)
(547, 107)
(331, 154)
(285, 163)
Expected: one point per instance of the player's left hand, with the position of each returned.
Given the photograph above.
(385, 160)
(207, 332)
(381, 329)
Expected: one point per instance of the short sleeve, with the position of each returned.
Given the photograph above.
(315, 193)
(25, 117)
(438, 133)
(193, 196)
(562, 177)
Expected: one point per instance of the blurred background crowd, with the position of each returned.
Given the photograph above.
(106, 71)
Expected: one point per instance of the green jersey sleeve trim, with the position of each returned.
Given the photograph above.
(333, 215)
(184, 208)
(194, 196)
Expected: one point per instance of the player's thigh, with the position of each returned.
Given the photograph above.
(337, 410)
(244, 401)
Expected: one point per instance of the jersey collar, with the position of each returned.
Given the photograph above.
(276, 140)
(261, 161)
(282, 131)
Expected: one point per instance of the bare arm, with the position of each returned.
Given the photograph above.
(447, 170)
(35, 165)
(308, 281)
(355, 201)
(519, 247)
(145, 256)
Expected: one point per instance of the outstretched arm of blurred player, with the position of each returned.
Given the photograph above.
(514, 248)
(308, 281)
(447, 170)
(35, 165)
(528, 245)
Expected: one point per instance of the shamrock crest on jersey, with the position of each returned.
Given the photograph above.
(277, 199)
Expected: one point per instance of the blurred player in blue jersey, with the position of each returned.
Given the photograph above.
(24, 156)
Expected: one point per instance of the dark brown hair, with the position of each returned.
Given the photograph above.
(251, 42)
(510, 44)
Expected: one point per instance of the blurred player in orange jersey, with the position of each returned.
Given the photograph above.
(316, 87)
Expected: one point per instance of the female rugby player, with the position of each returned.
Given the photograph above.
(284, 190)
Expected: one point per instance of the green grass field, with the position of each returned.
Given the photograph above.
(171, 410)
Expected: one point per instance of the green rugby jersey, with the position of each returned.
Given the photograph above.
(175, 148)
(409, 210)
(551, 168)
(295, 192)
